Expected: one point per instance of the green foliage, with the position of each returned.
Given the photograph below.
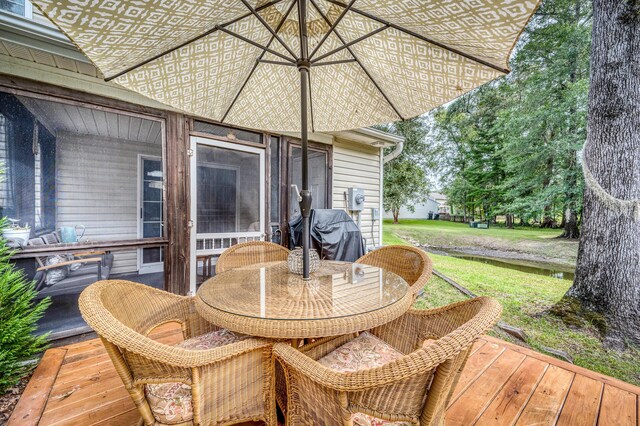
(19, 313)
(405, 179)
(511, 146)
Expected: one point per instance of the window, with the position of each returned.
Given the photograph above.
(318, 174)
(19, 7)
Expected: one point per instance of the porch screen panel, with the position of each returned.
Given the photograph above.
(73, 179)
(228, 191)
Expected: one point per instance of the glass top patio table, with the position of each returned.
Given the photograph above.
(267, 300)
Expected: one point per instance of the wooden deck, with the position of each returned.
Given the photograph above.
(502, 384)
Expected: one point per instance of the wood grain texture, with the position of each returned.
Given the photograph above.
(479, 395)
(583, 402)
(546, 402)
(514, 395)
(618, 407)
(178, 203)
(477, 363)
(34, 399)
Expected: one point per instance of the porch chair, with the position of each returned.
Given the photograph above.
(400, 373)
(214, 376)
(250, 253)
(73, 270)
(412, 264)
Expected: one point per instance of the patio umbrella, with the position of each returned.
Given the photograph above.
(291, 65)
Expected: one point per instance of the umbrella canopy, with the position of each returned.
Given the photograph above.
(233, 61)
(282, 65)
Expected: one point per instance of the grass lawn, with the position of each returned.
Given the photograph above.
(526, 299)
(531, 241)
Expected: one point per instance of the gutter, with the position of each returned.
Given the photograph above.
(395, 153)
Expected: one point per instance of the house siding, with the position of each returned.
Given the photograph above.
(421, 211)
(97, 186)
(358, 166)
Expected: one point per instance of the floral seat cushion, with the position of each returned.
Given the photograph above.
(364, 352)
(171, 403)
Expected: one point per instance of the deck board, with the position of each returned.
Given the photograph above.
(618, 407)
(501, 384)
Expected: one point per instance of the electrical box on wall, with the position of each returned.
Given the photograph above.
(375, 214)
(355, 199)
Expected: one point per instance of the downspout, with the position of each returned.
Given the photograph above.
(394, 154)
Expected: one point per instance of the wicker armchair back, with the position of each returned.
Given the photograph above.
(413, 388)
(412, 264)
(250, 253)
(230, 382)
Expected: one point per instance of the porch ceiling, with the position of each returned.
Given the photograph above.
(57, 117)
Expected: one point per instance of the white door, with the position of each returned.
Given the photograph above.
(150, 211)
(227, 197)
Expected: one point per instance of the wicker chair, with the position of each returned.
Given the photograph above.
(412, 264)
(250, 253)
(414, 387)
(227, 383)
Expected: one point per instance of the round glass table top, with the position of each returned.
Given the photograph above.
(269, 291)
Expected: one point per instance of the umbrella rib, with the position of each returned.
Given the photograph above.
(355, 58)
(421, 37)
(351, 43)
(191, 40)
(332, 27)
(280, 24)
(338, 62)
(268, 27)
(258, 45)
(269, 61)
(313, 127)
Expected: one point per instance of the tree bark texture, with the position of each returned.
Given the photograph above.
(608, 269)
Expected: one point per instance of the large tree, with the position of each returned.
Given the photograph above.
(608, 270)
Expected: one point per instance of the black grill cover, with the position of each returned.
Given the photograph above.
(334, 235)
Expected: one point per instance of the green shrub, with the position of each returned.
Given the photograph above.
(19, 314)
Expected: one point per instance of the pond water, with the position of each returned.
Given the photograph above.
(531, 267)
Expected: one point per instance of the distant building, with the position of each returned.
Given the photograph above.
(443, 203)
(422, 210)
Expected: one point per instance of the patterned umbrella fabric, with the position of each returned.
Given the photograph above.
(225, 59)
(287, 65)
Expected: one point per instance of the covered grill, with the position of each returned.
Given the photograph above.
(334, 235)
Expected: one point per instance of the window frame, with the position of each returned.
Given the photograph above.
(286, 146)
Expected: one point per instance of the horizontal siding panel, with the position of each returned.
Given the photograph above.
(359, 173)
(348, 165)
(97, 186)
(357, 165)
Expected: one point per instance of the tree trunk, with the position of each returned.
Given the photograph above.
(509, 221)
(395, 213)
(608, 271)
(570, 219)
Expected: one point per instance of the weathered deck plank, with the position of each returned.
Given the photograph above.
(618, 407)
(583, 402)
(501, 384)
(29, 409)
(512, 398)
(545, 404)
(477, 397)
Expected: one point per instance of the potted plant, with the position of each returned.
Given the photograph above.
(15, 234)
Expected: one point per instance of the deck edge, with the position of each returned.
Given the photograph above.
(612, 381)
(33, 401)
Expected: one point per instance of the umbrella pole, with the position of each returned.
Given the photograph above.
(305, 202)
